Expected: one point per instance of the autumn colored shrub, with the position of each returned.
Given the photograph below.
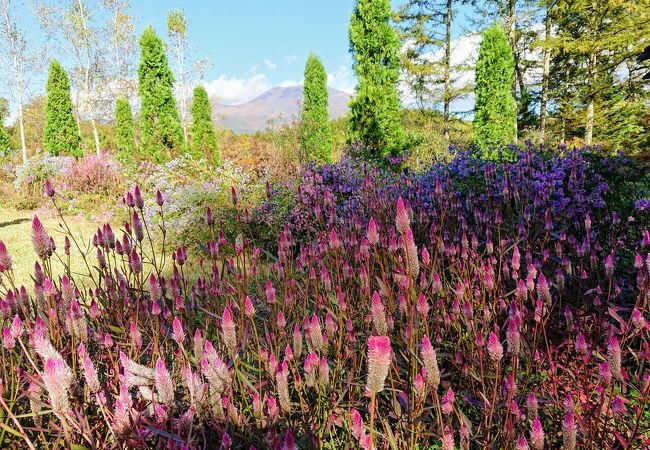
(475, 305)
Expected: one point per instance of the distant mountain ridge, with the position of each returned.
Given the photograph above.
(278, 103)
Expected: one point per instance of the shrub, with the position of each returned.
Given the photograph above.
(477, 304)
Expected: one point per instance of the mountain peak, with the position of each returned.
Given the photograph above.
(280, 103)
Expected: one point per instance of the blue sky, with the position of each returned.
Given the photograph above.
(252, 44)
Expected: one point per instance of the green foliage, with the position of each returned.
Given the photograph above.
(6, 143)
(316, 130)
(124, 132)
(161, 135)
(495, 114)
(375, 108)
(204, 138)
(61, 131)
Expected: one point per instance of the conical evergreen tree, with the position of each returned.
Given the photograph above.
(204, 138)
(161, 135)
(124, 132)
(375, 111)
(495, 116)
(316, 130)
(61, 135)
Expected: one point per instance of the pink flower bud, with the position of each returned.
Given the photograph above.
(373, 232)
(5, 258)
(494, 347)
(177, 331)
(402, 220)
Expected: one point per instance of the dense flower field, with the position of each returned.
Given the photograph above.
(474, 305)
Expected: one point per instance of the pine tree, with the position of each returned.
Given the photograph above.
(495, 114)
(316, 130)
(375, 110)
(124, 132)
(161, 135)
(61, 135)
(204, 138)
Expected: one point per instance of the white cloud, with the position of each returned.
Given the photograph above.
(342, 79)
(233, 90)
(270, 64)
(290, 59)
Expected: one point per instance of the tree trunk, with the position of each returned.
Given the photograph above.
(589, 126)
(512, 37)
(96, 136)
(21, 125)
(447, 70)
(545, 75)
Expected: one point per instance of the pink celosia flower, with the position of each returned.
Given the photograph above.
(373, 232)
(609, 266)
(618, 406)
(378, 315)
(17, 327)
(228, 330)
(402, 220)
(581, 344)
(420, 385)
(637, 319)
(177, 331)
(422, 306)
(122, 413)
(134, 262)
(281, 378)
(5, 258)
(448, 439)
(358, 430)
(8, 340)
(164, 384)
(90, 374)
(411, 252)
(315, 333)
(569, 431)
(522, 444)
(289, 441)
(249, 308)
(614, 357)
(138, 228)
(57, 378)
(379, 357)
(297, 341)
(531, 405)
(323, 372)
(494, 347)
(430, 363)
(40, 239)
(513, 337)
(537, 435)
(281, 321)
(448, 402)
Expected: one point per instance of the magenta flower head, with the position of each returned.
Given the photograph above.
(537, 434)
(614, 357)
(135, 262)
(209, 218)
(402, 220)
(569, 431)
(160, 200)
(430, 363)
(378, 315)
(49, 190)
(233, 195)
(609, 266)
(5, 258)
(137, 197)
(228, 330)
(494, 347)
(522, 444)
(164, 383)
(57, 377)
(40, 239)
(411, 251)
(249, 308)
(379, 357)
(373, 232)
(177, 331)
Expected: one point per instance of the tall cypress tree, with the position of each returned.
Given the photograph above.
(495, 115)
(161, 135)
(375, 109)
(316, 130)
(61, 135)
(124, 133)
(204, 138)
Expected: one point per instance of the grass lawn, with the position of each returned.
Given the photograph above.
(15, 232)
